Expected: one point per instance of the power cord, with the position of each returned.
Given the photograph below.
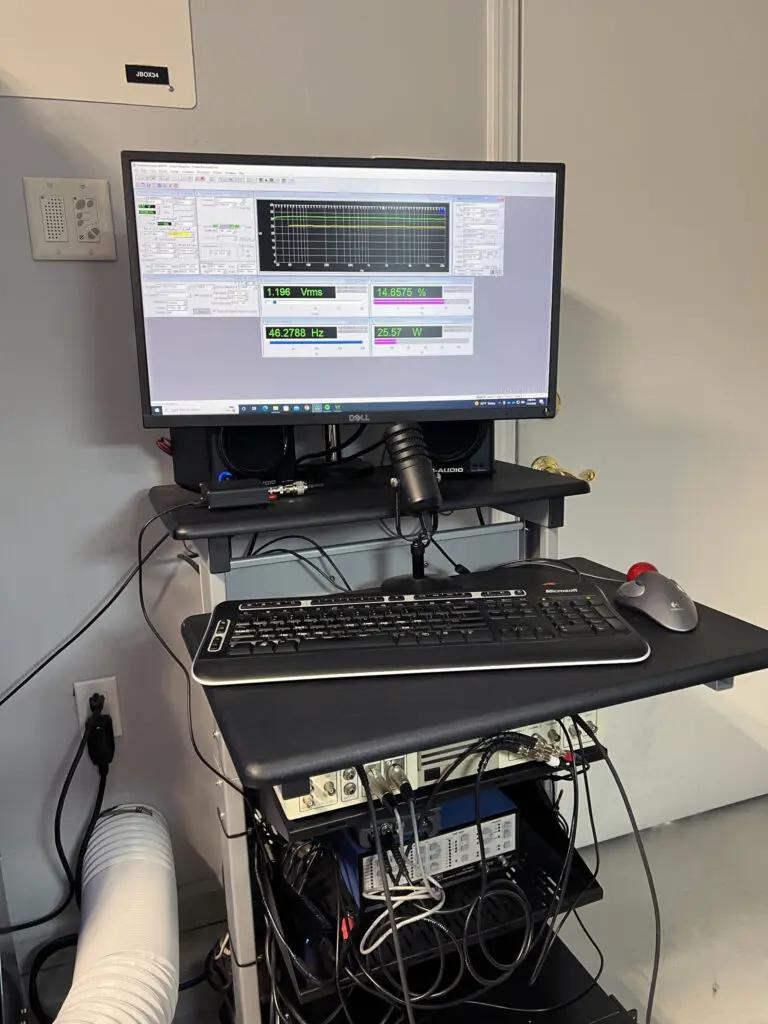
(387, 895)
(556, 907)
(105, 748)
(41, 957)
(364, 451)
(302, 558)
(587, 728)
(317, 569)
(105, 606)
(336, 449)
(460, 570)
(141, 559)
(593, 828)
(555, 1008)
(594, 981)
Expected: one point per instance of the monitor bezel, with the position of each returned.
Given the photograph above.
(384, 414)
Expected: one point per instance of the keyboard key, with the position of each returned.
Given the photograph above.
(603, 629)
(407, 640)
(249, 606)
(605, 611)
(238, 650)
(618, 626)
(371, 640)
(317, 644)
(582, 629)
(479, 636)
(453, 636)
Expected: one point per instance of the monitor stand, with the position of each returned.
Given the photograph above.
(334, 469)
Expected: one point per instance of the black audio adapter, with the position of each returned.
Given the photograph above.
(250, 493)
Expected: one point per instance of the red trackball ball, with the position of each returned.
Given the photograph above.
(640, 567)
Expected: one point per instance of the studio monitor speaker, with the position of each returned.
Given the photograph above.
(460, 447)
(204, 454)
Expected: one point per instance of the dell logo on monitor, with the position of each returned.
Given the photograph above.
(359, 418)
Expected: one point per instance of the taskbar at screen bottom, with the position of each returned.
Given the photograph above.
(185, 409)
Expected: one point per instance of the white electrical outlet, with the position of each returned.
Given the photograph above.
(69, 218)
(83, 691)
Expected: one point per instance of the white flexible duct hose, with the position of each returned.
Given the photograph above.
(127, 966)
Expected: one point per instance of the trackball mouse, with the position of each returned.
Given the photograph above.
(660, 598)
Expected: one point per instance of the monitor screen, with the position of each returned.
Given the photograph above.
(317, 290)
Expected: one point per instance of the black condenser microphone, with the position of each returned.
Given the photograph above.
(413, 468)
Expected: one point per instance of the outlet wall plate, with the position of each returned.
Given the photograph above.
(108, 686)
(69, 219)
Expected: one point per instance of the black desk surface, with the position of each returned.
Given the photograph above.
(361, 501)
(292, 730)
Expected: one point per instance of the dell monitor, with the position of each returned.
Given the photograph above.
(297, 290)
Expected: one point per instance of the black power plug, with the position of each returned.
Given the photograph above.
(101, 735)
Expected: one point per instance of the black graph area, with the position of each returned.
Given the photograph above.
(381, 238)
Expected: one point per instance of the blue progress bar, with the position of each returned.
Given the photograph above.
(316, 341)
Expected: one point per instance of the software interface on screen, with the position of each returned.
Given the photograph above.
(287, 289)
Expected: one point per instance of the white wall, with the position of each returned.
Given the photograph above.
(277, 76)
(658, 109)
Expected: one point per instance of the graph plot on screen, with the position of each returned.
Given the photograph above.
(393, 237)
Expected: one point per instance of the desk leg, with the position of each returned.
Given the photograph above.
(541, 521)
(540, 541)
(235, 868)
(237, 891)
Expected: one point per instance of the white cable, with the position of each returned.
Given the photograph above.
(430, 889)
(366, 949)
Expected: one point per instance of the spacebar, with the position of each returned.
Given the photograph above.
(348, 643)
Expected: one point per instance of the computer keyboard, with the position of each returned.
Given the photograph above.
(540, 625)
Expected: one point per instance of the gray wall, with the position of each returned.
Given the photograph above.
(292, 76)
(658, 110)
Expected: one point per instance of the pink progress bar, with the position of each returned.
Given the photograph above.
(412, 302)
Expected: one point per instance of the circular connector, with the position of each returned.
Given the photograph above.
(330, 788)
(349, 773)
(350, 789)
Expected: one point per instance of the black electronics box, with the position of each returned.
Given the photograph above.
(204, 455)
(460, 448)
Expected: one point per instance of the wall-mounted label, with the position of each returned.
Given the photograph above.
(146, 74)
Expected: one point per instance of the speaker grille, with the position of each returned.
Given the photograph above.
(253, 451)
(449, 441)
